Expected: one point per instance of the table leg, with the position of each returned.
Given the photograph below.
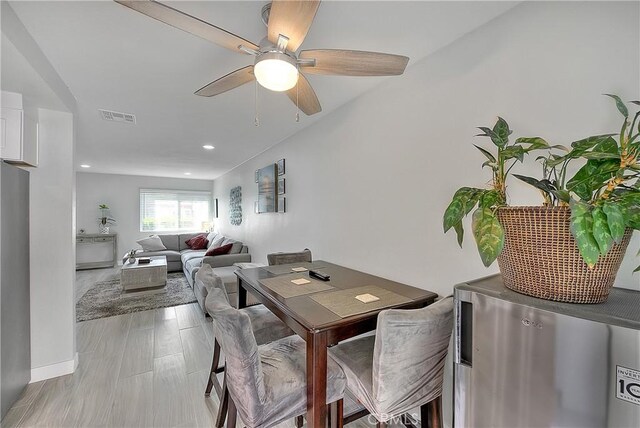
(242, 295)
(316, 379)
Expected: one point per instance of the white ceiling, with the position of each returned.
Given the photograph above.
(114, 58)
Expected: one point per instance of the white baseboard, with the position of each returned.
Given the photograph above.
(54, 370)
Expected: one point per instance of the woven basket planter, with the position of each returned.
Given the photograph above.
(541, 258)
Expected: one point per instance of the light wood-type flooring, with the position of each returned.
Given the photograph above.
(145, 369)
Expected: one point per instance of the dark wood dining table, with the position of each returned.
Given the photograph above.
(317, 325)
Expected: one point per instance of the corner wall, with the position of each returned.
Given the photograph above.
(122, 194)
(367, 185)
(52, 248)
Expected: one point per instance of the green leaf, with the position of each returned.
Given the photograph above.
(459, 232)
(489, 235)
(582, 230)
(615, 220)
(589, 142)
(488, 132)
(514, 151)
(501, 129)
(592, 176)
(486, 153)
(462, 203)
(490, 199)
(601, 155)
(601, 231)
(621, 107)
(534, 143)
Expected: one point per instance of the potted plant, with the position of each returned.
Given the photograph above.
(570, 248)
(105, 221)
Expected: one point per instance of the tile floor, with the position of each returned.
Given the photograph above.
(146, 369)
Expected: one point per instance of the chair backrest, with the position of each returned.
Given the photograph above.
(207, 278)
(284, 258)
(409, 355)
(243, 369)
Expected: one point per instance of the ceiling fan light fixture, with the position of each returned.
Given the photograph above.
(276, 71)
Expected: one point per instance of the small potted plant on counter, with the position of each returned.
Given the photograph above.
(105, 221)
(570, 248)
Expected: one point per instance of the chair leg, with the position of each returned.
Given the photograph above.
(299, 421)
(430, 413)
(214, 368)
(231, 418)
(339, 407)
(224, 405)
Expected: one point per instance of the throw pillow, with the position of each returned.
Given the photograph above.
(211, 236)
(152, 243)
(198, 242)
(219, 250)
(216, 242)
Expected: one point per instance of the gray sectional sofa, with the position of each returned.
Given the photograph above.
(181, 257)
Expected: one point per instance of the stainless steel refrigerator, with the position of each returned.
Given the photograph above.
(15, 354)
(531, 363)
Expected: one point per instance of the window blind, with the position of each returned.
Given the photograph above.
(174, 210)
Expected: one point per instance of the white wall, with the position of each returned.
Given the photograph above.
(367, 186)
(122, 194)
(52, 248)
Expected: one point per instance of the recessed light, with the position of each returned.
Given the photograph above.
(84, 165)
(208, 147)
(187, 173)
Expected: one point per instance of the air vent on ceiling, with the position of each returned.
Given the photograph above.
(116, 116)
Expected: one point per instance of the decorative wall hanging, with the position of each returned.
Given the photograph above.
(281, 186)
(282, 204)
(281, 169)
(267, 187)
(235, 206)
(215, 208)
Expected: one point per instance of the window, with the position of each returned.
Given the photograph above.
(174, 210)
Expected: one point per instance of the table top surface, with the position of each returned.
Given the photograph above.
(314, 316)
(156, 261)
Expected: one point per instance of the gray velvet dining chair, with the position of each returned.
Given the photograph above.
(267, 384)
(402, 366)
(265, 325)
(294, 257)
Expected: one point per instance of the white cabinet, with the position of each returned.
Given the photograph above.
(19, 131)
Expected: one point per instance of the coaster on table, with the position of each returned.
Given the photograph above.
(367, 298)
(300, 281)
(299, 269)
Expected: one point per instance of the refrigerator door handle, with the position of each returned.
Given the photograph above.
(464, 330)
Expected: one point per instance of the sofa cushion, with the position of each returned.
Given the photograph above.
(228, 277)
(183, 238)
(237, 245)
(187, 255)
(151, 243)
(170, 241)
(192, 264)
(172, 256)
(218, 251)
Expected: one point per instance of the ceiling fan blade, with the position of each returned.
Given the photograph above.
(291, 18)
(353, 63)
(189, 23)
(305, 96)
(226, 83)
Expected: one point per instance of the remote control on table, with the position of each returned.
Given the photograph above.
(319, 275)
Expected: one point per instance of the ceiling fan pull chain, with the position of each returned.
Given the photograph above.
(256, 120)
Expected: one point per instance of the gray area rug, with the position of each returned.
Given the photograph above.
(105, 298)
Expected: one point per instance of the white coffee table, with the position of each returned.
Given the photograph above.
(147, 277)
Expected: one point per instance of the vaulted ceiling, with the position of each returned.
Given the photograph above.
(116, 59)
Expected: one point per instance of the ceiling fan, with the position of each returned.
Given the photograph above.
(277, 66)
